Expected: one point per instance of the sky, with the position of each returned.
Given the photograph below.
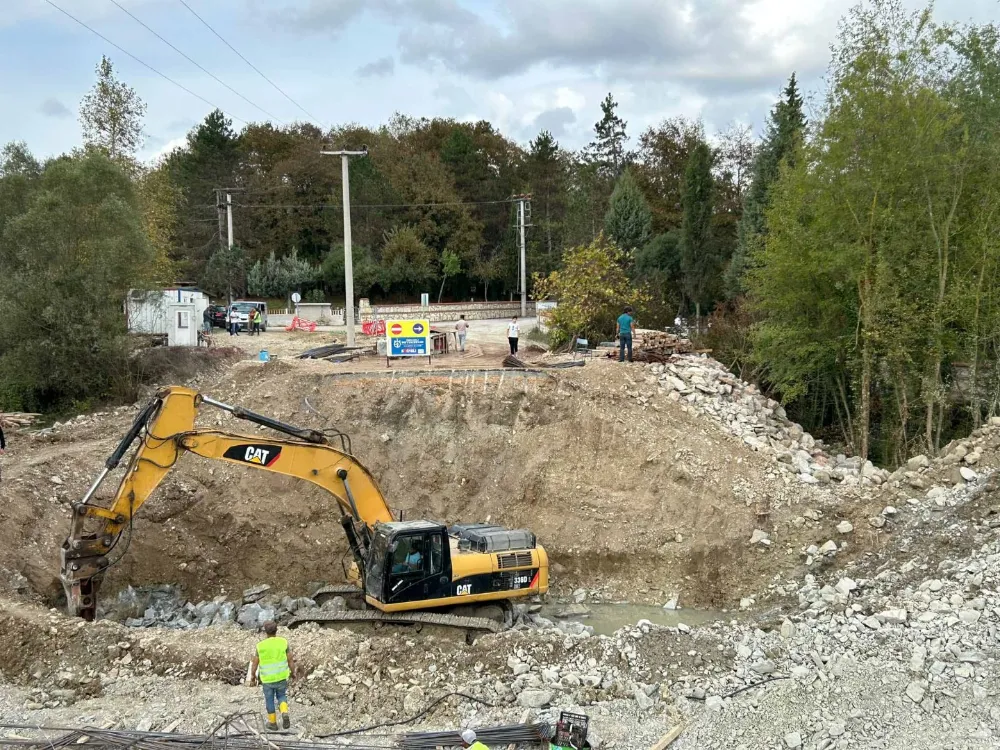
(522, 64)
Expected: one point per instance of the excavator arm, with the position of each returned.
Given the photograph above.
(165, 430)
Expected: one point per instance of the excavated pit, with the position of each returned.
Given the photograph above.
(634, 498)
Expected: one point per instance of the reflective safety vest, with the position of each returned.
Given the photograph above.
(273, 656)
(477, 745)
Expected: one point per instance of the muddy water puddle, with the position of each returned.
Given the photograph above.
(607, 617)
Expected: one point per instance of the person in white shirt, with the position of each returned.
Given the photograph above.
(513, 331)
(462, 328)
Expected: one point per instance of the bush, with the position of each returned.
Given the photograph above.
(592, 288)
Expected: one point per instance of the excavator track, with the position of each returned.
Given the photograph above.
(398, 618)
(340, 589)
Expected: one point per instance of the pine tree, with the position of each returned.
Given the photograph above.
(628, 222)
(609, 149)
(784, 129)
(699, 266)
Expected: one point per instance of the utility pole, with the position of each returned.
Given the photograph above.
(226, 208)
(348, 258)
(229, 218)
(523, 206)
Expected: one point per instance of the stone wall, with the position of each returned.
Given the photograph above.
(446, 311)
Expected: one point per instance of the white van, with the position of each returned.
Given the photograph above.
(243, 308)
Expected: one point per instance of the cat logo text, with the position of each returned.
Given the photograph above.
(258, 454)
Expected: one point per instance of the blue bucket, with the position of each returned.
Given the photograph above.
(264, 356)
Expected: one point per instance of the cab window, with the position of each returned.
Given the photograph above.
(437, 554)
(408, 557)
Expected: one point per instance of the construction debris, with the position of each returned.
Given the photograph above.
(511, 734)
(322, 352)
(658, 346)
(709, 388)
(235, 732)
(15, 419)
(511, 361)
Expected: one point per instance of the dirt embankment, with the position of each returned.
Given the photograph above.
(630, 494)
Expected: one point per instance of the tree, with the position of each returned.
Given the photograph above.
(225, 274)
(545, 173)
(160, 199)
(664, 152)
(451, 265)
(609, 149)
(699, 264)
(628, 222)
(111, 115)
(274, 277)
(783, 133)
(591, 288)
(407, 262)
(65, 281)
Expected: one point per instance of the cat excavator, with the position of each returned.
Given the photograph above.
(406, 572)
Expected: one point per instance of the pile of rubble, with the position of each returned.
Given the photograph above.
(892, 653)
(658, 346)
(165, 607)
(709, 388)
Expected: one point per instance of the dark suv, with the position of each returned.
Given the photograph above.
(218, 316)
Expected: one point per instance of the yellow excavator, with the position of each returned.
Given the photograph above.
(406, 572)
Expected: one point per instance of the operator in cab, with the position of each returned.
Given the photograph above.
(272, 667)
(469, 740)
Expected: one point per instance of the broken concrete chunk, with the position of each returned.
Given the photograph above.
(845, 527)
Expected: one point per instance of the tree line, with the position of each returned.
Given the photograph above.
(847, 263)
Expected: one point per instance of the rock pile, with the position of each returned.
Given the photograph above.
(709, 388)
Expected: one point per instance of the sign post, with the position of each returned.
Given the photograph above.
(407, 338)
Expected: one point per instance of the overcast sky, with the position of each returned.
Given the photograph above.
(522, 64)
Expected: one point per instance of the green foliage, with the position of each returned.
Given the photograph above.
(658, 266)
(609, 149)
(366, 270)
(274, 277)
(591, 288)
(451, 265)
(628, 222)
(783, 134)
(879, 263)
(664, 153)
(111, 115)
(225, 275)
(699, 259)
(314, 295)
(64, 282)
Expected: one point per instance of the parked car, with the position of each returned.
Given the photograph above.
(243, 308)
(217, 314)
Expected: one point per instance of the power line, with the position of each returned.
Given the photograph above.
(259, 72)
(193, 62)
(143, 63)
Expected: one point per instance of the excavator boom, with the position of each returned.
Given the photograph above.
(165, 429)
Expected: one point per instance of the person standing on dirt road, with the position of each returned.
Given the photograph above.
(234, 322)
(513, 331)
(469, 740)
(3, 443)
(624, 330)
(255, 314)
(462, 329)
(272, 667)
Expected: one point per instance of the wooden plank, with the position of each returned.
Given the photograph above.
(668, 739)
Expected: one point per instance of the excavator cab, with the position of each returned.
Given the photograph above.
(408, 561)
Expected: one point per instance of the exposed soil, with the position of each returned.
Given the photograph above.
(631, 495)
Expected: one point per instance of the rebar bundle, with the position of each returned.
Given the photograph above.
(235, 732)
(510, 734)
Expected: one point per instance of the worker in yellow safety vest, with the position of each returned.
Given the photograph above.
(469, 740)
(272, 667)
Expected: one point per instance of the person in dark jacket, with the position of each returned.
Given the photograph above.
(3, 443)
